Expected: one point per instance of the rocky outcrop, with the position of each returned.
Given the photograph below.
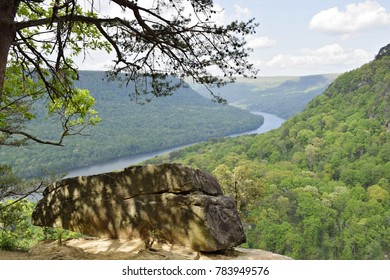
(167, 203)
(385, 51)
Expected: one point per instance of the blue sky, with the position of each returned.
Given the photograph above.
(301, 37)
(304, 37)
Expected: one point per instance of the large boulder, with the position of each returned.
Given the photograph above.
(168, 202)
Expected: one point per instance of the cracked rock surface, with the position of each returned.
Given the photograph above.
(165, 203)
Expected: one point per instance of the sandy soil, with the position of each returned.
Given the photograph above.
(108, 249)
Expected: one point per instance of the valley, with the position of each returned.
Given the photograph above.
(132, 127)
(128, 127)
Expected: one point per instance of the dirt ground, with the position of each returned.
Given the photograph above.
(108, 249)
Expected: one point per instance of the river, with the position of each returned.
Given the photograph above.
(270, 122)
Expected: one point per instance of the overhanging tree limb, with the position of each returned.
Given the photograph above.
(34, 138)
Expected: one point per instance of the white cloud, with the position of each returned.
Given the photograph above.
(241, 12)
(327, 59)
(260, 42)
(355, 17)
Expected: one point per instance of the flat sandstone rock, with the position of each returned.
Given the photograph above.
(165, 203)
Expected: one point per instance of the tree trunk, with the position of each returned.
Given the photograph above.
(7, 34)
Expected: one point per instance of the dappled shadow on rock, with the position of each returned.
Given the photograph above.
(157, 203)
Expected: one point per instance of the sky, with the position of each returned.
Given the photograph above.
(304, 37)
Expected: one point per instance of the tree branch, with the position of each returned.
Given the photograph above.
(33, 138)
(23, 195)
(70, 18)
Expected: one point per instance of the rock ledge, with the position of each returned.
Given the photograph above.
(166, 203)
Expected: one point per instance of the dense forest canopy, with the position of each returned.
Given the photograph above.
(323, 178)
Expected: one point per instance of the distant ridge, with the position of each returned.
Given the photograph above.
(282, 96)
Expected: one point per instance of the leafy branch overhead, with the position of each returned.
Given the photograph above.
(151, 42)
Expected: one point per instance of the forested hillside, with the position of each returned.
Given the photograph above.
(282, 96)
(128, 128)
(319, 186)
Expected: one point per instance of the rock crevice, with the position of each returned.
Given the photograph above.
(162, 192)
